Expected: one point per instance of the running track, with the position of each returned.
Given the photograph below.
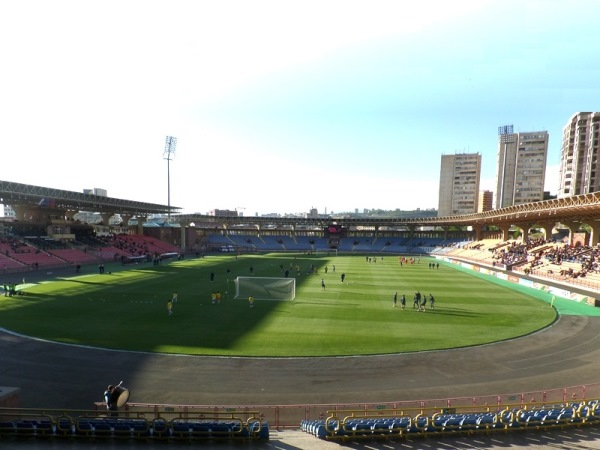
(60, 376)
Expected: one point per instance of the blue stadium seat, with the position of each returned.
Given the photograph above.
(102, 429)
(160, 429)
(25, 428)
(180, 430)
(201, 430)
(7, 428)
(221, 430)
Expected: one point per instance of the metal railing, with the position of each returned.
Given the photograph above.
(290, 416)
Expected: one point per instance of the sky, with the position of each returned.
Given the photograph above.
(283, 106)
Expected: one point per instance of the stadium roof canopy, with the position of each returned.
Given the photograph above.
(25, 195)
(581, 208)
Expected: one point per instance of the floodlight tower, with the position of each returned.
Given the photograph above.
(169, 153)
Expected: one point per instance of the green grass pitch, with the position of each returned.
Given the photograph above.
(127, 309)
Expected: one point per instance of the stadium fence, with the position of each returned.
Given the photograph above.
(290, 416)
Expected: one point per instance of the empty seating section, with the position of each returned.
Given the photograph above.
(286, 242)
(140, 245)
(347, 244)
(44, 243)
(17, 254)
(219, 239)
(356, 244)
(73, 256)
(297, 243)
(111, 253)
(374, 424)
(33, 257)
(6, 262)
(269, 243)
(16, 424)
(157, 245)
(391, 245)
(304, 243)
(244, 241)
(320, 243)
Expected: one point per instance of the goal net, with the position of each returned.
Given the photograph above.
(326, 252)
(265, 288)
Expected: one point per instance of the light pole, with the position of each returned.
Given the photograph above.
(170, 146)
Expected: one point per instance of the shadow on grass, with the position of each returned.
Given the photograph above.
(458, 312)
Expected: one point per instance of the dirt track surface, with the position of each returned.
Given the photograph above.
(566, 354)
(60, 376)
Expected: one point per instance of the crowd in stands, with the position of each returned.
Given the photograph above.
(517, 252)
(538, 256)
(585, 257)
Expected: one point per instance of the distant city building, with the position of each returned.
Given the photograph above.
(579, 171)
(223, 213)
(96, 191)
(521, 167)
(313, 212)
(459, 184)
(91, 216)
(9, 213)
(87, 217)
(486, 201)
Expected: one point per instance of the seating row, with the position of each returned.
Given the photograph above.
(312, 243)
(179, 429)
(370, 424)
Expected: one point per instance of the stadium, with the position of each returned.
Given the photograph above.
(536, 387)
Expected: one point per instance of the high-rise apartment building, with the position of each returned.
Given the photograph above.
(521, 167)
(579, 171)
(486, 201)
(459, 184)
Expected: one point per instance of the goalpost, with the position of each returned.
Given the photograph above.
(265, 288)
(326, 252)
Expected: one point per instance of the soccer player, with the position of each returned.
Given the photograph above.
(343, 277)
(218, 297)
(322, 284)
(431, 301)
(395, 300)
(251, 301)
(170, 307)
(403, 301)
(174, 297)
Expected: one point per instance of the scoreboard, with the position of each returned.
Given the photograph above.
(334, 230)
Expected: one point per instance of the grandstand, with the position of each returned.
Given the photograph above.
(270, 391)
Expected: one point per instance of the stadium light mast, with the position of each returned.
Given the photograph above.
(169, 153)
